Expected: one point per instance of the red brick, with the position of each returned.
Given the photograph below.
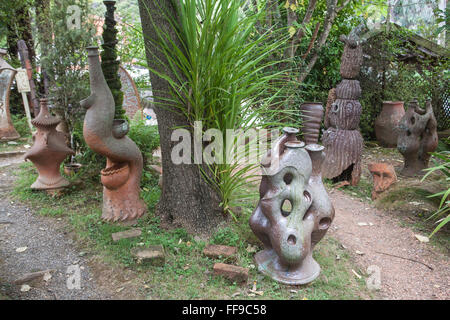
(231, 272)
(216, 251)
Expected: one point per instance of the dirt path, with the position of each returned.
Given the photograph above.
(400, 278)
(47, 247)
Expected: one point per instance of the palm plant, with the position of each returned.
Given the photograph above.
(227, 78)
(444, 206)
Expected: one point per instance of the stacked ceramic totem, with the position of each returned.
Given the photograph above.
(342, 139)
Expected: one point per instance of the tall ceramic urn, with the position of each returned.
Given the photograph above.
(386, 124)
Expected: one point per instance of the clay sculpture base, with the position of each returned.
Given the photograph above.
(337, 161)
(268, 264)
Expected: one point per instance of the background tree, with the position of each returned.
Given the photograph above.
(186, 199)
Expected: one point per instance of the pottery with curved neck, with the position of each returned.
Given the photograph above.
(105, 136)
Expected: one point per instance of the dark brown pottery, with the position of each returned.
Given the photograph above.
(312, 114)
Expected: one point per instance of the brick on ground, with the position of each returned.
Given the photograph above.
(216, 251)
(233, 273)
(153, 255)
(126, 234)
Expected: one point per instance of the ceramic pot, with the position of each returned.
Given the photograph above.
(386, 124)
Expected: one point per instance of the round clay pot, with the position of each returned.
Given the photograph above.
(386, 124)
(115, 176)
(312, 114)
(71, 168)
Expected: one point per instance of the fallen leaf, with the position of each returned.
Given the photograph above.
(251, 295)
(294, 291)
(422, 238)
(120, 289)
(25, 288)
(338, 257)
(359, 252)
(235, 294)
(251, 249)
(21, 249)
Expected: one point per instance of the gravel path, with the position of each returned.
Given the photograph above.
(47, 247)
(400, 278)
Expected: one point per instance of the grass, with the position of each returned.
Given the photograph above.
(362, 191)
(187, 273)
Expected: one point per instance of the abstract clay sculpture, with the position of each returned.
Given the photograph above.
(383, 177)
(417, 137)
(342, 139)
(386, 124)
(312, 114)
(291, 175)
(7, 74)
(107, 136)
(48, 151)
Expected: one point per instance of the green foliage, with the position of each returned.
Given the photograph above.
(444, 205)
(385, 78)
(20, 123)
(65, 63)
(226, 236)
(145, 137)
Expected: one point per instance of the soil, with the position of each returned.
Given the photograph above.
(372, 236)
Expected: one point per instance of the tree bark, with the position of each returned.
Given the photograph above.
(44, 37)
(187, 199)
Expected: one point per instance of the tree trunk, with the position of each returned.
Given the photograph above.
(45, 38)
(187, 200)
